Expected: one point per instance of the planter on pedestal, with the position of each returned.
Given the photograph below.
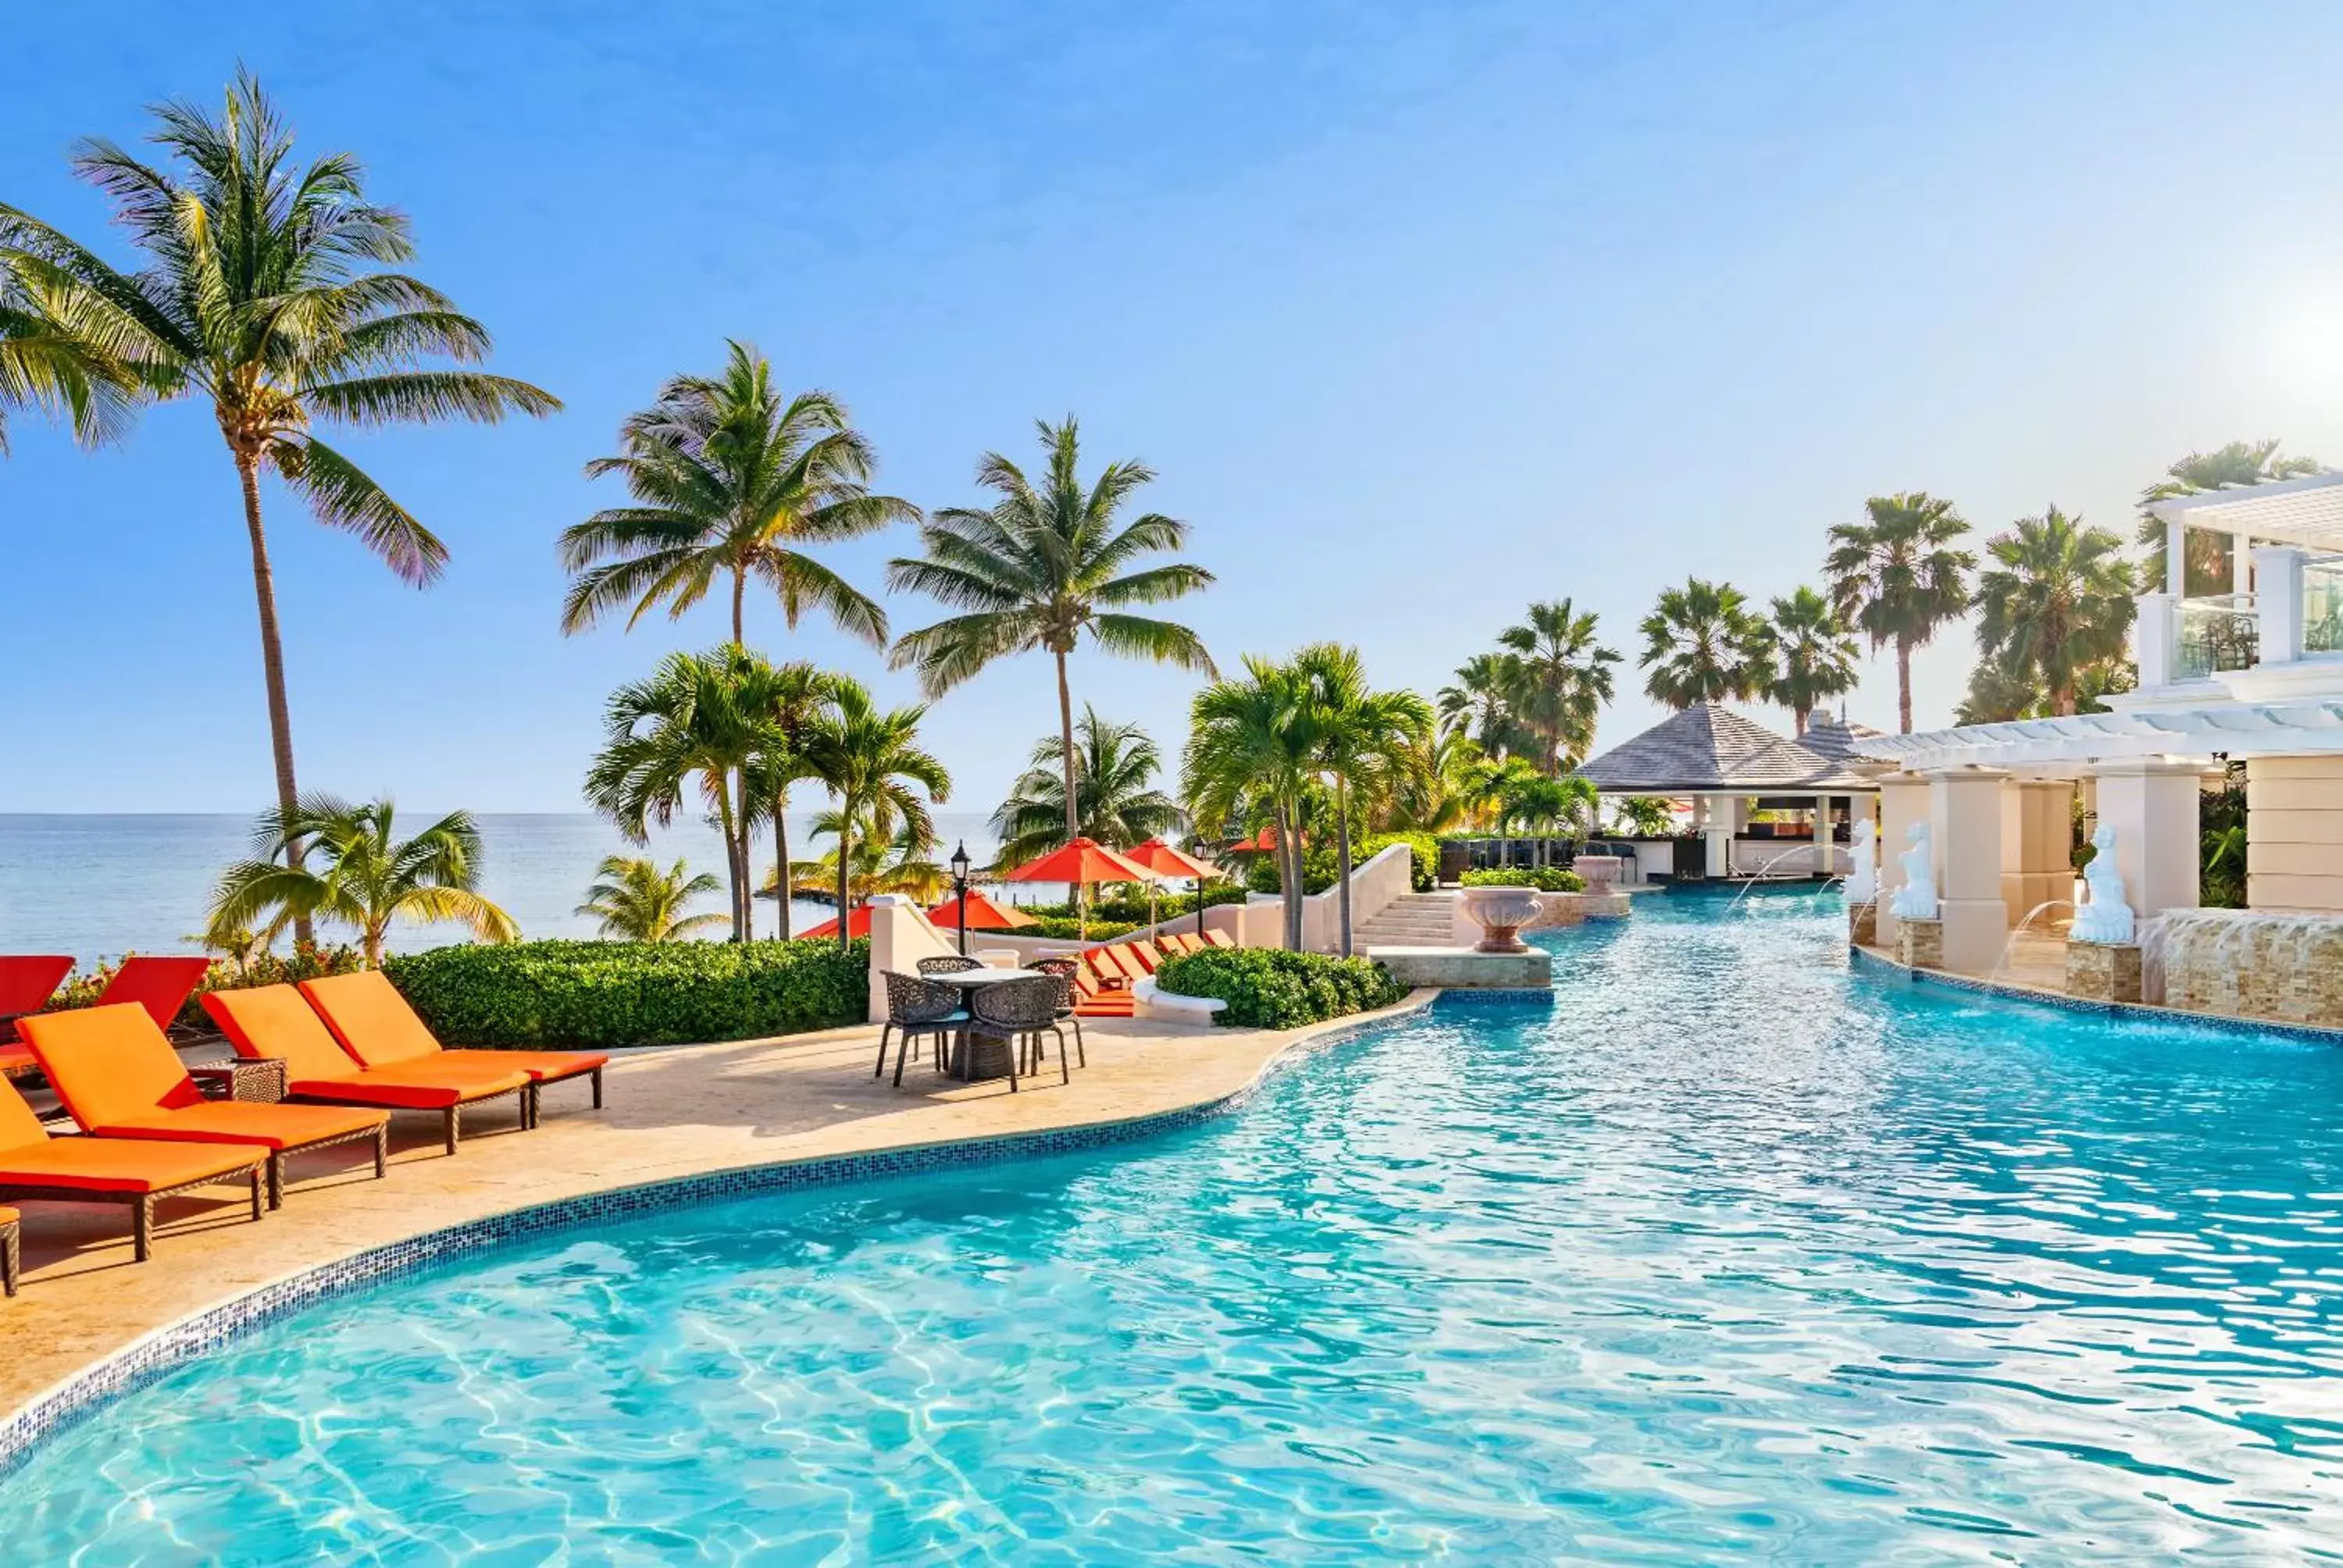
(1501, 913)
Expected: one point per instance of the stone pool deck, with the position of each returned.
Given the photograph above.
(673, 1111)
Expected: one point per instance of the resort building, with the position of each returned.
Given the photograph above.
(2253, 675)
(1764, 805)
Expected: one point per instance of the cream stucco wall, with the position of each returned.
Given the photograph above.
(2293, 833)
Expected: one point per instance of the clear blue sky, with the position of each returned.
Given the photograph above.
(1421, 313)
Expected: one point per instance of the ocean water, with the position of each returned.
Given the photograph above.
(1729, 1256)
(98, 886)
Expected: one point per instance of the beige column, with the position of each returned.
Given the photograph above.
(1717, 827)
(1903, 801)
(2036, 844)
(1965, 815)
(2152, 806)
(2293, 833)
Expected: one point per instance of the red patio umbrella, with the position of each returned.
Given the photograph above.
(1169, 864)
(1082, 861)
(857, 925)
(983, 914)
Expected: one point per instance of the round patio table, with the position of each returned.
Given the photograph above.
(985, 1057)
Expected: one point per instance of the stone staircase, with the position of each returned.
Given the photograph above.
(1414, 921)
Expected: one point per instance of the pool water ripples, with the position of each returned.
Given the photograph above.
(1730, 1256)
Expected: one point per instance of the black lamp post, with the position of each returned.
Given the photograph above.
(960, 881)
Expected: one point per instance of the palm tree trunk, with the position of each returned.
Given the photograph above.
(1342, 854)
(1798, 716)
(740, 595)
(1904, 685)
(1288, 875)
(1066, 762)
(782, 856)
(728, 824)
(272, 668)
(845, 860)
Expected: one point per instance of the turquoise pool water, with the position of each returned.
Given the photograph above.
(1730, 1256)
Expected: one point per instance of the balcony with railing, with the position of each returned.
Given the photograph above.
(2293, 616)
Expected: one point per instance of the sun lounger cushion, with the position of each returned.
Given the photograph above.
(276, 1021)
(376, 1025)
(29, 1157)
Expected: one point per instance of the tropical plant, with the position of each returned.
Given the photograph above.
(1559, 677)
(1702, 643)
(1545, 879)
(1266, 989)
(1814, 654)
(1643, 816)
(786, 705)
(2238, 463)
(55, 356)
(1544, 804)
(366, 877)
(877, 863)
(1361, 741)
(1898, 577)
(1116, 801)
(1433, 790)
(731, 478)
(1040, 567)
(1480, 705)
(2056, 601)
(875, 770)
(263, 296)
(637, 901)
(1250, 755)
(693, 728)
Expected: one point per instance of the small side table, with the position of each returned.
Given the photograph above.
(259, 1080)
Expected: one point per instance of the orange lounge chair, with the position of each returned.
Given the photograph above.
(375, 1025)
(1093, 1000)
(161, 985)
(1108, 965)
(273, 1021)
(119, 1078)
(1218, 940)
(26, 983)
(132, 1171)
(1143, 955)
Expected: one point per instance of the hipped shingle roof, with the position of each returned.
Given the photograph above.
(1708, 746)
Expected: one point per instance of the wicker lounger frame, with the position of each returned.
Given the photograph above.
(380, 1133)
(529, 1111)
(141, 1204)
(451, 1117)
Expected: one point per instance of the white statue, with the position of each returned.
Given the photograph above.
(1862, 876)
(2104, 916)
(1916, 898)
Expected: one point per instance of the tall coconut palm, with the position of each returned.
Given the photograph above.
(731, 479)
(1361, 738)
(1561, 679)
(1116, 801)
(1898, 577)
(636, 901)
(693, 728)
(1814, 654)
(1702, 643)
(875, 770)
(1250, 742)
(264, 295)
(366, 877)
(2238, 463)
(2057, 600)
(1479, 704)
(1039, 568)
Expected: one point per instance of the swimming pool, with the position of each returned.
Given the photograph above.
(1730, 1254)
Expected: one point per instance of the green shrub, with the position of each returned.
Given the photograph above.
(308, 961)
(1321, 864)
(1269, 987)
(1545, 879)
(606, 994)
(1064, 927)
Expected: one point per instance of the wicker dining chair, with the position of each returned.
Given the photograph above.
(1065, 970)
(918, 1007)
(1021, 1009)
(952, 965)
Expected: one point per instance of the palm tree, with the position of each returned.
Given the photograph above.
(1481, 703)
(1898, 577)
(693, 727)
(1496, 786)
(1116, 801)
(2238, 463)
(2057, 600)
(870, 763)
(1644, 816)
(1815, 654)
(875, 865)
(1999, 694)
(1702, 643)
(1541, 802)
(1250, 745)
(1040, 567)
(1433, 792)
(55, 357)
(730, 478)
(789, 702)
(636, 901)
(263, 296)
(366, 876)
(1561, 677)
(1362, 738)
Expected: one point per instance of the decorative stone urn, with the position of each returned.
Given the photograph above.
(1602, 871)
(1501, 913)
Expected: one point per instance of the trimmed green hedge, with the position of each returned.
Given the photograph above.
(1545, 879)
(1321, 864)
(1269, 987)
(607, 994)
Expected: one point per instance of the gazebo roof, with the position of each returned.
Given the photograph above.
(1837, 739)
(1710, 749)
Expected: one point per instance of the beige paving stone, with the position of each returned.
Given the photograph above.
(672, 1111)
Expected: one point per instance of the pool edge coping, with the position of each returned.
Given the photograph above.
(90, 1388)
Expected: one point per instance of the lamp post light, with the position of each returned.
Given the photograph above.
(959, 884)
